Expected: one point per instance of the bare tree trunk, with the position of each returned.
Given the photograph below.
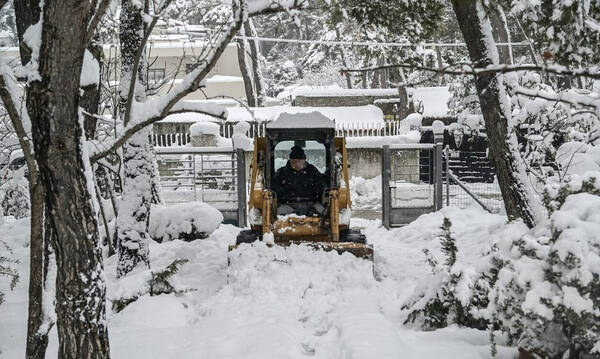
(90, 100)
(27, 13)
(257, 76)
(37, 332)
(138, 154)
(344, 59)
(504, 152)
(501, 34)
(438, 54)
(242, 51)
(52, 104)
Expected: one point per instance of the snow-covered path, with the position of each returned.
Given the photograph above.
(280, 302)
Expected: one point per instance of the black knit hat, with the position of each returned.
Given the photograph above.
(297, 153)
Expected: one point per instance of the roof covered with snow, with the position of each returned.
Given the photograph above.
(348, 114)
(302, 120)
(311, 91)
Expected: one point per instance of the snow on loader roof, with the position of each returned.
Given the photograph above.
(313, 119)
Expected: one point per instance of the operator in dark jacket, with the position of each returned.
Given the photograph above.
(298, 186)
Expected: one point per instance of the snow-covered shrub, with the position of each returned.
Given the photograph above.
(159, 282)
(14, 195)
(6, 269)
(186, 221)
(547, 293)
(453, 294)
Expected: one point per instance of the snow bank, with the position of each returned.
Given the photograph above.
(365, 193)
(184, 220)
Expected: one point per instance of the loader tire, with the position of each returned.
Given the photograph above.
(353, 235)
(247, 236)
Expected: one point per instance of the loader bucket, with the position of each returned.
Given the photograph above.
(359, 250)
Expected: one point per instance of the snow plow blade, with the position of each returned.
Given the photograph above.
(359, 250)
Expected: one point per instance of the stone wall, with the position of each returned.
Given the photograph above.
(364, 162)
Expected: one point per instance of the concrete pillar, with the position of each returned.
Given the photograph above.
(438, 136)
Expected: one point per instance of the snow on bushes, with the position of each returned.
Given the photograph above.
(186, 221)
(14, 198)
(541, 287)
(452, 294)
(6, 267)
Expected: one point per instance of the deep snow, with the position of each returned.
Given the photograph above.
(279, 303)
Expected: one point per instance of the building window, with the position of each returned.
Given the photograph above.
(155, 75)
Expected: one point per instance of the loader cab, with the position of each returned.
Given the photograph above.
(313, 132)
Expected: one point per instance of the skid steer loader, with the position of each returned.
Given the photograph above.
(329, 230)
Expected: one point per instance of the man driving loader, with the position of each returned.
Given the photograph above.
(299, 186)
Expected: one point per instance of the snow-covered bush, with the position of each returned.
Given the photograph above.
(547, 293)
(453, 294)
(6, 268)
(158, 282)
(186, 221)
(14, 195)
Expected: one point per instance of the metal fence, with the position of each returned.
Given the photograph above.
(411, 182)
(216, 177)
(471, 181)
(257, 129)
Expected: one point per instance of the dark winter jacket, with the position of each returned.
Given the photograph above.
(290, 185)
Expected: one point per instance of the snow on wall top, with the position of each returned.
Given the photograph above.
(302, 120)
(348, 114)
(338, 91)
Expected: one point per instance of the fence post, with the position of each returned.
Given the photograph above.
(438, 135)
(385, 186)
(241, 182)
(447, 161)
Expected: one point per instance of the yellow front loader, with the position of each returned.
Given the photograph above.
(327, 231)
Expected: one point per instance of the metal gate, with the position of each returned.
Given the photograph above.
(213, 176)
(412, 182)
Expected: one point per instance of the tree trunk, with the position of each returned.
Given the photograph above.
(52, 104)
(501, 34)
(504, 152)
(27, 13)
(438, 56)
(37, 332)
(90, 100)
(344, 59)
(139, 163)
(134, 211)
(257, 76)
(242, 52)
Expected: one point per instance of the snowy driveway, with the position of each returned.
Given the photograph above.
(279, 303)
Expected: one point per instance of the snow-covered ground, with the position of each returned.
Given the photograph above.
(276, 302)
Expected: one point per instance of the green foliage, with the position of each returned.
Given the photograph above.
(446, 305)
(566, 30)
(414, 19)
(6, 269)
(448, 243)
(159, 283)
